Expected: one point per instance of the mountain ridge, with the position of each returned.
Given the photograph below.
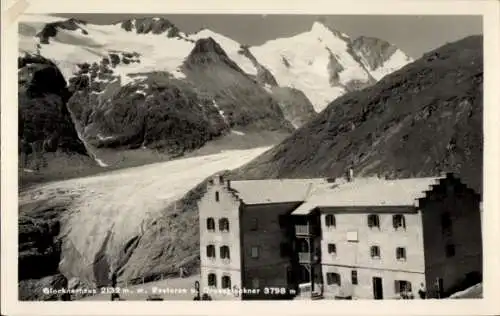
(421, 120)
(152, 27)
(115, 71)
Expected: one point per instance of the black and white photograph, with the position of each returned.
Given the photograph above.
(265, 156)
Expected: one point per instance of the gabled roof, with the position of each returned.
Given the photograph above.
(276, 190)
(373, 191)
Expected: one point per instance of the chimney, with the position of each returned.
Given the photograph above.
(350, 174)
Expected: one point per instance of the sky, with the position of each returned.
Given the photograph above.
(413, 34)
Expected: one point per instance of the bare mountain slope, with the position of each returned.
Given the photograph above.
(424, 119)
(46, 130)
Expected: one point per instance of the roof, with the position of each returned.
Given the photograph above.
(371, 191)
(276, 190)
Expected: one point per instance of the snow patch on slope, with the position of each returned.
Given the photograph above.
(395, 62)
(158, 52)
(68, 48)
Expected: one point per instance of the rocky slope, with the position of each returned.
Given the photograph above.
(45, 125)
(424, 119)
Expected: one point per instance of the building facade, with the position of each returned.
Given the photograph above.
(364, 238)
(371, 255)
(220, 250)
(452, 238)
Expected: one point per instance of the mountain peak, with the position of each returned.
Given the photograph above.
(208, 45)
(207, 51)
(320, 28)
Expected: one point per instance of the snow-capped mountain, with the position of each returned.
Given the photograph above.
(144, 84)
(323, 63)
(326, 64)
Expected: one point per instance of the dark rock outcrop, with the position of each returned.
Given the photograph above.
(45, 124)
(374, 51)
(207, 51)
(244, 102)
(295, 105)
(51, 29)
(151, 25)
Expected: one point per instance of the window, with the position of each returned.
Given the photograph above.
(373, 221)
(330, 220)
(401, 253)
(333, 278)
(254, 224)
(284, 249)
(224, 252)
(446, 223)
(255, 283)
(212, 279)
(332, 248)
(375, 251)
(226, 282)
(398, 221)
(354, 277)
(210, 223)
(282, 221)
(211, 251)
(402, 286)
(450, 250)
(224, 224)
(217, 196)
(254, 252)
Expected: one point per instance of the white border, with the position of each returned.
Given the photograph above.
(489, 305)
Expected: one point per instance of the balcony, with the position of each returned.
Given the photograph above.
(303, 230)
(305, 257)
